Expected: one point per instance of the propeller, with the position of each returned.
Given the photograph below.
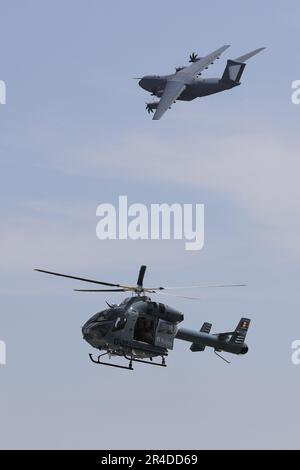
(194, 57)
(150, 107)
(137, 289)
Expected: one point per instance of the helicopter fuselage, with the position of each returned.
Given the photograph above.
(141, 328)
(137, 327)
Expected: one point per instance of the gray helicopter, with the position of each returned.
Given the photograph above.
(139, 329)
(186, 85)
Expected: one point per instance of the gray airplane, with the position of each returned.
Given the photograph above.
(186, 85)
(139, 329)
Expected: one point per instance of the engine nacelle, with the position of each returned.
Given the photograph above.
(179, 68)
(162, 311)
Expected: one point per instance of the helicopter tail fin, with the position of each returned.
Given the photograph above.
(239, 334)
(205, 328)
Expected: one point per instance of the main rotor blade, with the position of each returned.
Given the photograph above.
(141, 275)
(79, 278)
(101, 290)
(178, 296)
(201, 286)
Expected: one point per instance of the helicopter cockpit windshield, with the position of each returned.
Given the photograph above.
(100, 316)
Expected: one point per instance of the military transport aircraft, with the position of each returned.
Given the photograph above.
(186, 85)
(139, 329)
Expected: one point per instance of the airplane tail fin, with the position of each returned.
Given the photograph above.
(235, 68)
(239, 335)
(233, 71)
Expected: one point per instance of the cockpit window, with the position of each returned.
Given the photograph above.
(125, 301)
(100, 316)
(110, 314)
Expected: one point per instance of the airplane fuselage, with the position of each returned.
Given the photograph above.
(197, 87)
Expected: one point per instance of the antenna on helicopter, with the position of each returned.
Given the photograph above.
(224, 359)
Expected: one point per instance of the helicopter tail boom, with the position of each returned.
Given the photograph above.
(232, 342)
(205, 328)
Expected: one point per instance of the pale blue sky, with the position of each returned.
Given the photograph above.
(74, 133)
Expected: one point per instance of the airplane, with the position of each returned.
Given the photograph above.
(139, 329)
(186, 85)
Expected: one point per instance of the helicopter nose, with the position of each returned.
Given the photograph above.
(85, 333)
(94, 331)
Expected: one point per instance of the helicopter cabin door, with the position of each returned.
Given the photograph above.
(145, 329)
(165, 334)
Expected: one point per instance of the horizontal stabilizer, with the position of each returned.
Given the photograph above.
(247, 56)
(205, 328)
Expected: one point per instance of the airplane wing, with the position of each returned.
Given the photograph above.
(197, 67)
(172, 90)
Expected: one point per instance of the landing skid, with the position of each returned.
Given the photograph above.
(99, 362)
(130, 359)
(163, 361)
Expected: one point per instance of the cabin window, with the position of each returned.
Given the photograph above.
(167, 328)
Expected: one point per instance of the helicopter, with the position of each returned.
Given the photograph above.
(140, 330)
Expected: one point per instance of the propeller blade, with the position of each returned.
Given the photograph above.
(101, 290)
(179, 296)
(149, 108)
(79, 278)
(193, 57)
(203, 286)
(141, 275)
(195, 287)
